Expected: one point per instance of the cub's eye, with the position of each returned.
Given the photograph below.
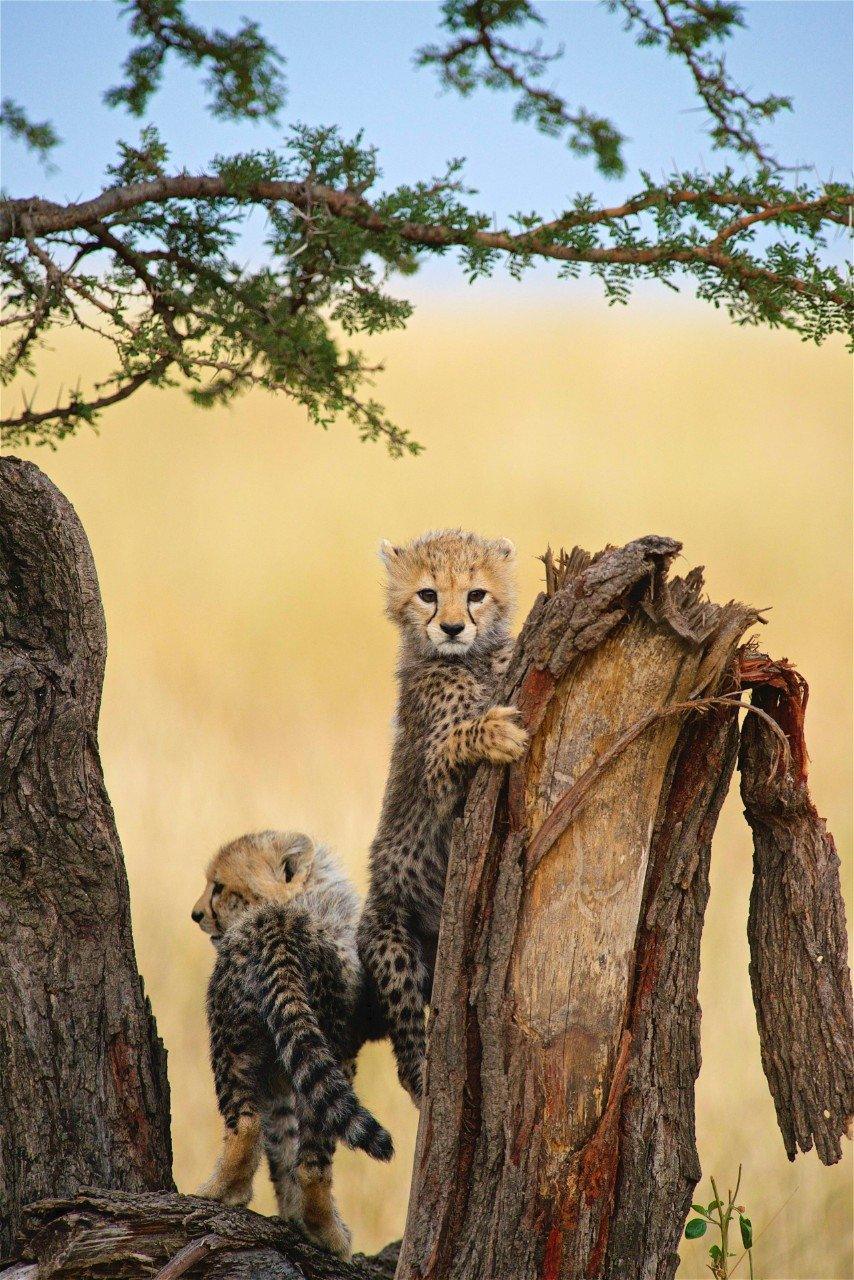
(428, 595)
(476, 596)
(218, 886)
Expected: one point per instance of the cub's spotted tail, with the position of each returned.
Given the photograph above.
(324, 1095)
(366, 1133)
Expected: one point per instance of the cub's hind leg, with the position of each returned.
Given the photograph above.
(320, 1217)
(280, 1129)
(393, 958)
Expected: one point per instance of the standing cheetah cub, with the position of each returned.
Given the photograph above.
(287, 1016)
(451, 594)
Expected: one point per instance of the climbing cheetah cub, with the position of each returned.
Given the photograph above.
(451, 594)
(287, 1015)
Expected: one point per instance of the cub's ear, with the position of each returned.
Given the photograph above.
(505, 548)
(297, 856)
(389, 554)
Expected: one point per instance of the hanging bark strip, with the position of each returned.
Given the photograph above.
(796, 928)
(564, 1023)
(85, 1098)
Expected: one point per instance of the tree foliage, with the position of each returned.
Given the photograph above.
(39, 137)
(151, 262)
(244, 79)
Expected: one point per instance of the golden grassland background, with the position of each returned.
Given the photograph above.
(250, 673)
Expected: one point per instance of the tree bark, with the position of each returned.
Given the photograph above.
(564, 1038)
(84, 1099)
(125, 1237)
(796, 927)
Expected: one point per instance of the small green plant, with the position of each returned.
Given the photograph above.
(719, 1215)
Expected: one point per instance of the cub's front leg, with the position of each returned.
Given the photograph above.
(496, 735)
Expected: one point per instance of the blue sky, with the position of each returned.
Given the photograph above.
(350, 63)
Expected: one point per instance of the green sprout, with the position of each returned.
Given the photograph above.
(718, 1215)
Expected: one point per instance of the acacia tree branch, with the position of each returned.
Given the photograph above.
(39, 136)
(684, 28)
(76, 407)
(171, 289)
(511, 66)
(172, 296)
(244, 76)
(481, 55)
(18, 217)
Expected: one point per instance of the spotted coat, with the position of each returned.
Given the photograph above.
(445, 723)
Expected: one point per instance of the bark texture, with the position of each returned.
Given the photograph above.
(796, 928)
(564, 1027)
(656, 1144)
(126, 1237)
(84, 1099)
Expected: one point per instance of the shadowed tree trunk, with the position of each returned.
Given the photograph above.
(557, 1132)
(84, 1098)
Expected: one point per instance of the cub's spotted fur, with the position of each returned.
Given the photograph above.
(287, 1015)
(451, 594)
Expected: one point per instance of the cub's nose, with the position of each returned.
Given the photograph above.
(452, 628)
(197, 916)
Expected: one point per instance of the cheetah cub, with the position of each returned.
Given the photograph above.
(286, 1015)
(451, 594)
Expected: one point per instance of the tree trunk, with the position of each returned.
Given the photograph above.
(84, 1098)
(557, 1134)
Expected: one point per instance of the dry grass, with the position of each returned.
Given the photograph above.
(250, 671)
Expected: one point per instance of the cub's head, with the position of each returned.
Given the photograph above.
(266, 866)
(450, 591)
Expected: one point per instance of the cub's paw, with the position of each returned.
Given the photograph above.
(322, 1222)
(413, 1083)
(237, 1194)
(502, 739)
(334, 1235)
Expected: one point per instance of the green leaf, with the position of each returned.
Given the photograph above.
(698, 1208)
(746, 1231)
(715, 1253)
(715, 1204)
(695, 1228)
